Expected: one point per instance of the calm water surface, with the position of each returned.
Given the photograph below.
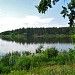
(9, 46)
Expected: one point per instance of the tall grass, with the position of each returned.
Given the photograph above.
(48, 62)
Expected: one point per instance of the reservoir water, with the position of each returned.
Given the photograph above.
(32, 44)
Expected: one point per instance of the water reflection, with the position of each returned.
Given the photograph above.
(7, 45)
(41, 40)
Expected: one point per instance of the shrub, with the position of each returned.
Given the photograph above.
(38, 59)
(23, 63)
(6, 70)
(39, 49)
(26, 53)
(71, 55)
(5, 59)
(1, 67)
(51, 52)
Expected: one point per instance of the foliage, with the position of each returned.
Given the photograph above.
(62, 58)
(51, 52)
(39, 49)
(25, 34)
(5, 59)
(68, 11)
(31, 63)
(71, 55)
(6, 70)
(26, 53)
(23, 63)
(44, 4)
(1, 67)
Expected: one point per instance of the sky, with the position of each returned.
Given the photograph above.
(15, 14)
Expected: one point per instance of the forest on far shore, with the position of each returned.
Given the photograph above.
(38, 32)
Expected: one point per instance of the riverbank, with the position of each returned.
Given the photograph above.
(50, 61)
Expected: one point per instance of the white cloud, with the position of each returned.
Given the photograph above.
(35, 21)
(9, 23)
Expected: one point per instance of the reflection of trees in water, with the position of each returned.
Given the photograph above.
(42, 40)
(50, 40)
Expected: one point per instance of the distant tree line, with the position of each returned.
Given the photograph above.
(30, 32)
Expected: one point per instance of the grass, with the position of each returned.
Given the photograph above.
(47, 70)
(48, 62)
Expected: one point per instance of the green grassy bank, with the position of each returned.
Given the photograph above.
(48, 62)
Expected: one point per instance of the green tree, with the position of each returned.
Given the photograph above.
(68, 11)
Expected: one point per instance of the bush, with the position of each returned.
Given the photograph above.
(39, 49)
(71, 55)
(65, 57)
(23, 63)
(51, 52)
(6, 70)
(26, 53)
(38, 59)
(1, 67)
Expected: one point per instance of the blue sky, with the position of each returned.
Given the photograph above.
(22, 13)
